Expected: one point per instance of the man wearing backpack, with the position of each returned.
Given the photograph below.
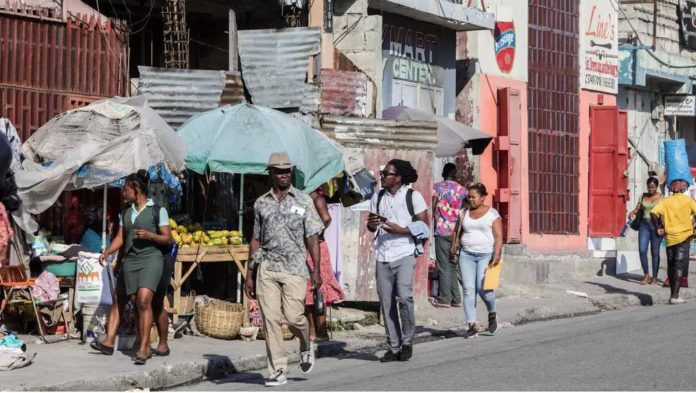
(393, 211)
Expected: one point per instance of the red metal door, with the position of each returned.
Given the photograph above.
(508, 195)
(608, 162)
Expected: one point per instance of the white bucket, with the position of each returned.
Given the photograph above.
(94, 320)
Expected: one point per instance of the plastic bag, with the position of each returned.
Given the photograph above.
(677, 161)
(39, 245)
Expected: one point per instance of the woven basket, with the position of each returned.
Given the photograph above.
(219, 319)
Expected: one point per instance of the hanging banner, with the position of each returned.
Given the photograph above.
(505, 42)
(599, 46)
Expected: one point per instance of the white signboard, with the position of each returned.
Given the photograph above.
(599, 46)
(680, 105)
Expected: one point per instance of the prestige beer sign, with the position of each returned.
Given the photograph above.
(505, 45)
(599, 46)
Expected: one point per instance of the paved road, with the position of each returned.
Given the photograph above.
(649, 348)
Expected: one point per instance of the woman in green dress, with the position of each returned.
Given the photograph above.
(143, 243)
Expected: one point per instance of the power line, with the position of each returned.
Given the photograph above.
(650, 52)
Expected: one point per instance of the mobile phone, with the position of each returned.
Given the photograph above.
(381, 218)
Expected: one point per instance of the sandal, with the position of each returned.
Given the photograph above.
(163, 353)
(99, 347)
(645, 280)
(141, 360)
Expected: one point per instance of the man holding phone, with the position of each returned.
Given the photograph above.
(392, 210)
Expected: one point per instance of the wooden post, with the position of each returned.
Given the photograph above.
(232, 31)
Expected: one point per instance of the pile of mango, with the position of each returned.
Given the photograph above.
(194, 236)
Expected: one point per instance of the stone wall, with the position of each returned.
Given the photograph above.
(358, 36)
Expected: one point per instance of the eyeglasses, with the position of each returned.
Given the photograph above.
(387, 174)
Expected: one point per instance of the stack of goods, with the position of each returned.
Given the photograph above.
(187, 236)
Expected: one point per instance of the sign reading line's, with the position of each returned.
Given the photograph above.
(599, 46)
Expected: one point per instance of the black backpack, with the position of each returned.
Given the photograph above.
(409, 202)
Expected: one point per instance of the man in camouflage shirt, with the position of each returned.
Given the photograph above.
(286, 225)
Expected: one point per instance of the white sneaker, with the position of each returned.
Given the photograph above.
(307, 361)
(676, 300)
(277, 378)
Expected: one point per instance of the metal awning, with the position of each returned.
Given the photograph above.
(439, 12)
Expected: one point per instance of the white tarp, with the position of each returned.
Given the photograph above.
(90, 147)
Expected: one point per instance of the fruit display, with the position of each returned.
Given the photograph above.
(187, 236)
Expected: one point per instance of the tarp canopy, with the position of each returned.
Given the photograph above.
(452, 135)
(240, 139)
(91, 147)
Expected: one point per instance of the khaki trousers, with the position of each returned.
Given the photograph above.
(281, 297)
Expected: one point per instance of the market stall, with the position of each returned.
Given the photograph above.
(89, 148)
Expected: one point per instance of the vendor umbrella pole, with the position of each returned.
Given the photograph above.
(109, 272)
(240, 215)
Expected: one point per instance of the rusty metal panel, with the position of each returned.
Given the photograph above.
(233, 92)
(381, 134)
(274, 64)
(45, 60)
(176, 95)
(344, 93)
(365, 286)
(553, 113)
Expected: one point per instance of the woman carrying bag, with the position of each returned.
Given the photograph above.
(477, 244)
(647, 233)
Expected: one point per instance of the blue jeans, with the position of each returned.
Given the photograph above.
(647, 236)
(472, 266)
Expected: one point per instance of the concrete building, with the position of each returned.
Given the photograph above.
(656, 79)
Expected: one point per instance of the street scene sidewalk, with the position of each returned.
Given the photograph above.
(74, 366)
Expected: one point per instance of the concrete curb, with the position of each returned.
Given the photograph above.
(218, 367)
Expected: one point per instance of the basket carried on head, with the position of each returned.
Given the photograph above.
(219, 319)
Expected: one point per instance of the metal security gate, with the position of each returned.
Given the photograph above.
(553, 95)
(49, 65)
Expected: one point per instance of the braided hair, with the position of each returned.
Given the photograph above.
(405, 170)
(139, 181)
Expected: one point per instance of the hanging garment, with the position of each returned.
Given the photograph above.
(15, 142)
(6, 233)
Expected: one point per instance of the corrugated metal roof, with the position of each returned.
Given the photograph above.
(233, 93)
(311, 99)
(274, 64)
(382, 134)
(176, 95)
(344, 93)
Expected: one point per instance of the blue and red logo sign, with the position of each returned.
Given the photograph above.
(505, 43)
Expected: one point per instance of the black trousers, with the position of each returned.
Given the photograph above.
(677, 265)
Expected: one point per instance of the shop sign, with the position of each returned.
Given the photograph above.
(505, 42)
(680, 105)
(415, 51)
(599, 46)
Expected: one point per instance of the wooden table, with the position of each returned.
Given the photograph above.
(217, 254)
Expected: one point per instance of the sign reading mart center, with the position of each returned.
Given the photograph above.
(599, 46)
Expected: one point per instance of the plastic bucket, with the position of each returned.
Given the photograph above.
(93, 319)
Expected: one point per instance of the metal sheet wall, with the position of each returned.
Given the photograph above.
(553, 116)
(48, 65)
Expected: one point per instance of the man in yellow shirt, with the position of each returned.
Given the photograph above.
(673, 217)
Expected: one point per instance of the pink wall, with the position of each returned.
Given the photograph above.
(488, 122)
(573, 242)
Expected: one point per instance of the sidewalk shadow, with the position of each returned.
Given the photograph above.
(245, 377)
(337, 350)
(645, 299)
(629, 277)
(439, 333)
